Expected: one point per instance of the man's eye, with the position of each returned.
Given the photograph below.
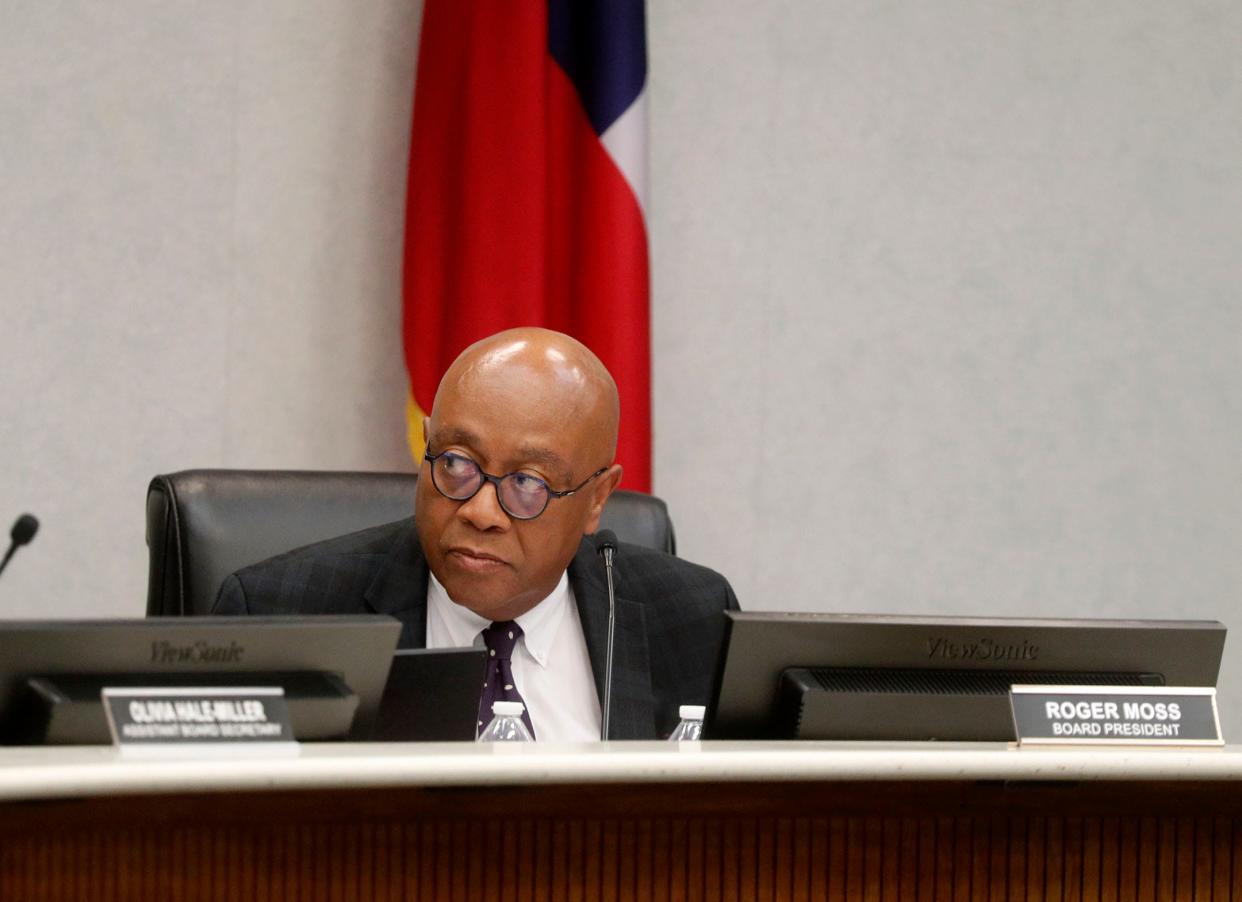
(457, 466)
(527, 484)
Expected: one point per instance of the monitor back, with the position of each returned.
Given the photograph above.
(191, 651)
(432, 695)
(749, 701)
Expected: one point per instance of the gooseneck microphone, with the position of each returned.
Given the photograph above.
(24, 530)
(606, 545)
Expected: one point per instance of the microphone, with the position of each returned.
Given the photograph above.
(23, 531)
(606, 545)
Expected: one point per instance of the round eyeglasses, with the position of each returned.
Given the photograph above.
(521, 496)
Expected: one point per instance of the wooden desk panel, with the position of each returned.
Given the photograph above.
(819, 840)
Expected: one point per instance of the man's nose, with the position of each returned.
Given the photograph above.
(483, 511)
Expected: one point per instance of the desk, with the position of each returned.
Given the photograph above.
(625, 820)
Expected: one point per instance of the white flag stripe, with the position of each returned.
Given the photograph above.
(626, 142)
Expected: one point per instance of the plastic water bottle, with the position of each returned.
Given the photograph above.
(691, 726)
(506, 725)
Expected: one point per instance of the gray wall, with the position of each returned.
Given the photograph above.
(200, 262)
(944, 313)
(947, 315)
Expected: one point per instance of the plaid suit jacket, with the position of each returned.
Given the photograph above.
(669, 612)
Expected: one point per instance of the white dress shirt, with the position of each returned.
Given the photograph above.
(551, 667)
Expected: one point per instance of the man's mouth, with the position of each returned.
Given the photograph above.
(473, 560)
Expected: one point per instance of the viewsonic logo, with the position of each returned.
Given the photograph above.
(200, 652)
(984, 649)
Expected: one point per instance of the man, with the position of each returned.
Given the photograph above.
(519, 465)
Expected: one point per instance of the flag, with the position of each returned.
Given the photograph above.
(525, 196)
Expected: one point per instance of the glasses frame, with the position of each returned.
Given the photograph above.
(551, 493)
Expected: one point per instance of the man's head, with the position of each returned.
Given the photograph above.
(527, 401)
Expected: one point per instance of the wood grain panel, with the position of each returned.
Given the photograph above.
(983, 843)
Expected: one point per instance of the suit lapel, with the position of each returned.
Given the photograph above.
(399, 589)
(633, 714)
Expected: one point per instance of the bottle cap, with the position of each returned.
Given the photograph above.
(502, 709)
(692, 712)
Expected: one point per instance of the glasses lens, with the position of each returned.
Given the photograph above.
(455, 476)
(523, 496)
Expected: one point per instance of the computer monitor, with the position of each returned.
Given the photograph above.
(874, 677)
(432, 695)
(332, 669)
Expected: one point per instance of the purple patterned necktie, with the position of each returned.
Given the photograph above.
(498, 685)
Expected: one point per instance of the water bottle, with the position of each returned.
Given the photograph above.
(507, 724)
(691, 726)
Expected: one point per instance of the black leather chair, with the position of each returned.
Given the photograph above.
(204, 524)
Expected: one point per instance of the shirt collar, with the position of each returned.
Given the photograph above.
(539, 624)
(463, 625)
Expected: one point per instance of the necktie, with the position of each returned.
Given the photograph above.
(498, 686)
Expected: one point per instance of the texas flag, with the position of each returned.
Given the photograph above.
(526, 192)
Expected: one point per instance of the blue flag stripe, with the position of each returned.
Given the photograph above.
(602, 46)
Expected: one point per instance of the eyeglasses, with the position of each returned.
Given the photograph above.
(521, 496)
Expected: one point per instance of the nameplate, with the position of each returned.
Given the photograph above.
(1115, 715)
(164, 716)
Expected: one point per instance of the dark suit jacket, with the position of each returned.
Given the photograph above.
(670, 620)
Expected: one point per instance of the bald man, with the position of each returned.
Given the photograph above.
(519, 465)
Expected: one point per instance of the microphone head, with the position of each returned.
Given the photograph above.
(605, 540)
(24, 529)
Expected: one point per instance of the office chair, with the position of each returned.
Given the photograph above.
(203, 525)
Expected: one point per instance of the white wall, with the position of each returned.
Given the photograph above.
(947, 311)
(200, 262)
(961, 276)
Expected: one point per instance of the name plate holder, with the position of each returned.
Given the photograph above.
(156, 721)
(1115, 715)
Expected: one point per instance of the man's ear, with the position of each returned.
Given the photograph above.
(426, 430)
(604, 486)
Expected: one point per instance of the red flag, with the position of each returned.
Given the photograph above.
(525, 189)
